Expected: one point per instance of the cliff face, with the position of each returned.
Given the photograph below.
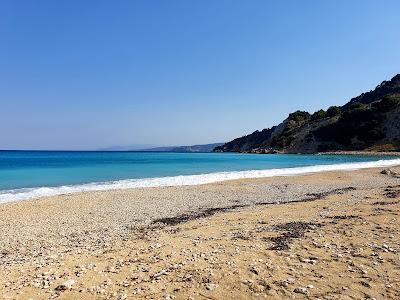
(369, 122)
(385, 88)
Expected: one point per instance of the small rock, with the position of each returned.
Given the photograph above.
(300, 290)
(290, 280)
(159, 274)
(66, 285)
(210, 286)
(388, 172)
(111, 269)
(254, 270)
(366, 284)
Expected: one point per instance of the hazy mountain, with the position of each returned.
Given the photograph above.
(133, 147)
(153, 148)
(193, 148)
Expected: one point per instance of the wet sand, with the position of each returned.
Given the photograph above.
(332, 235)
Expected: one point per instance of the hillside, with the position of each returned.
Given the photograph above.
(369, 122)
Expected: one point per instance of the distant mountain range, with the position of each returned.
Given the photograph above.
(193, 148)
(149, 148)
(134, 147)
(369, 122)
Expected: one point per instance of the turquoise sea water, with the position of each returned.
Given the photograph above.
(29, 169)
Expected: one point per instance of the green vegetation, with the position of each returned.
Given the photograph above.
(388, 103)
(369, 121)
(299, 116)
(318, 115)
(333, 111)
(247, 142)
(362, 123)
(294, 121)
(282, 141)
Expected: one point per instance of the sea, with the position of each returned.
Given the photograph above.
(33, 174)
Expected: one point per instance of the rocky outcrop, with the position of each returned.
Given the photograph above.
(369, 122)
(385, 88)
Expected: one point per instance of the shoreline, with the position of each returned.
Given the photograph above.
(121, 209)
(167, 242)
(185, 180)
(364, 153)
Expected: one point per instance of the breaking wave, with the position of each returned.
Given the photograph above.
(29, 193)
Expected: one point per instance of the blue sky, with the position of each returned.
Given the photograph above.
(92, 74)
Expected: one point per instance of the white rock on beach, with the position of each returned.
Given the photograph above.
(66, 285)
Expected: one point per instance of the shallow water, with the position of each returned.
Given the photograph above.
(27, 174)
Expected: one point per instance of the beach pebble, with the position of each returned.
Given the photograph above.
(388, 172)
(210, 286)
(66, 285)
(111, 270)
(300, 290)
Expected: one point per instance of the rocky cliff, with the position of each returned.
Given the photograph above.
(369, 122)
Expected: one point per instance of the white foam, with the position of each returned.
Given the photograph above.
(29, 193)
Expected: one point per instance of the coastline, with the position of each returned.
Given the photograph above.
(107, 242)
(365, 153)
(186, 180)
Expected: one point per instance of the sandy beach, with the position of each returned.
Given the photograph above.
(331, 235)
(364, 153)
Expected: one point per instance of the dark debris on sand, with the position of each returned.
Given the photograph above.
(187, 217)
(291, 231)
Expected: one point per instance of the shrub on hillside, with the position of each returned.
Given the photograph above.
(387, 103)
(359, 122)
(333, 111)
(299, 116)
(318, 115)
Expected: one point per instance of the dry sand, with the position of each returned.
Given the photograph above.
(332, 235)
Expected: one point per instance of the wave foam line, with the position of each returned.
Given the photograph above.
(29, 193)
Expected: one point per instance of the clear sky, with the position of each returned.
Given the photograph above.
(92, 74)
